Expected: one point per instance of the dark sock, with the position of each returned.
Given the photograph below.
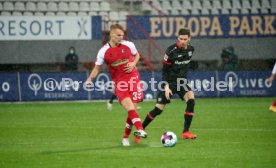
(151, 115)
(112, 98)
(188, 115)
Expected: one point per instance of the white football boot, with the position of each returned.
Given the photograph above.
(125, 142)
(140, 133)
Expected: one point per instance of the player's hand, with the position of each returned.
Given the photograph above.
(88, 82)
(129, 67)
(270, 79)
(168, 92)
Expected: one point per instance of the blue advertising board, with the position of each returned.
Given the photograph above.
(9, 87)
(203, 83)
(150, 82)
(96, 27)
(101, 88)
(70, 86)
(52, 86)
(248, 83)
(202, 26)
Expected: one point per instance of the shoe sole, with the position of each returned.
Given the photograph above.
(138, 134)
(189, 138)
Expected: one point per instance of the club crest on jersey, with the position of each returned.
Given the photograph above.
(190, 53)
(123, 51)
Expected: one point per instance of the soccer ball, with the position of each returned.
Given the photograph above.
(168, 139)
(148, 96)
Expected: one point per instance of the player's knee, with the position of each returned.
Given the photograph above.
(190, 105)
(160, 106)
(155, 112)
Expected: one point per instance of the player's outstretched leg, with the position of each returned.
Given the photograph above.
(188, 117)
(150, 116)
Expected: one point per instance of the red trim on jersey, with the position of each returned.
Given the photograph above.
(150, 117)
(168, 63)
(189, 113)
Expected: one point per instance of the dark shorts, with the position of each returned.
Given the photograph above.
(181, 91)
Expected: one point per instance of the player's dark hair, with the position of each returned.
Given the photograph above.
(184, 32)
(116, 26)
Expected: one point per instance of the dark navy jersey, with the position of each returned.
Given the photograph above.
(176, 62)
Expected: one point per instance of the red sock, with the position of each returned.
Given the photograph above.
(128, 128)
(135, 119)
(274, 103)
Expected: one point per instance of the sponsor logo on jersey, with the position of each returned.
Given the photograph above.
(182, 62)
(180, 56)
(119, 62)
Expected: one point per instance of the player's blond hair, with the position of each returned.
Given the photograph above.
(116, 26)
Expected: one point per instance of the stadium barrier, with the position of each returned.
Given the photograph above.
(70, 86)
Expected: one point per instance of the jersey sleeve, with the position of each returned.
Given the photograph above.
(166, 59)
(131, 47)
(100, 56)
(166, 65)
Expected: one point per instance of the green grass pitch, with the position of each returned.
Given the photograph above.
(232, 133)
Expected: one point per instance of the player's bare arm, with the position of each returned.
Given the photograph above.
(271, 78)
(93, 74)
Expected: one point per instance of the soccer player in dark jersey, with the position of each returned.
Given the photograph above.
(175, 69)
(121, 57)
